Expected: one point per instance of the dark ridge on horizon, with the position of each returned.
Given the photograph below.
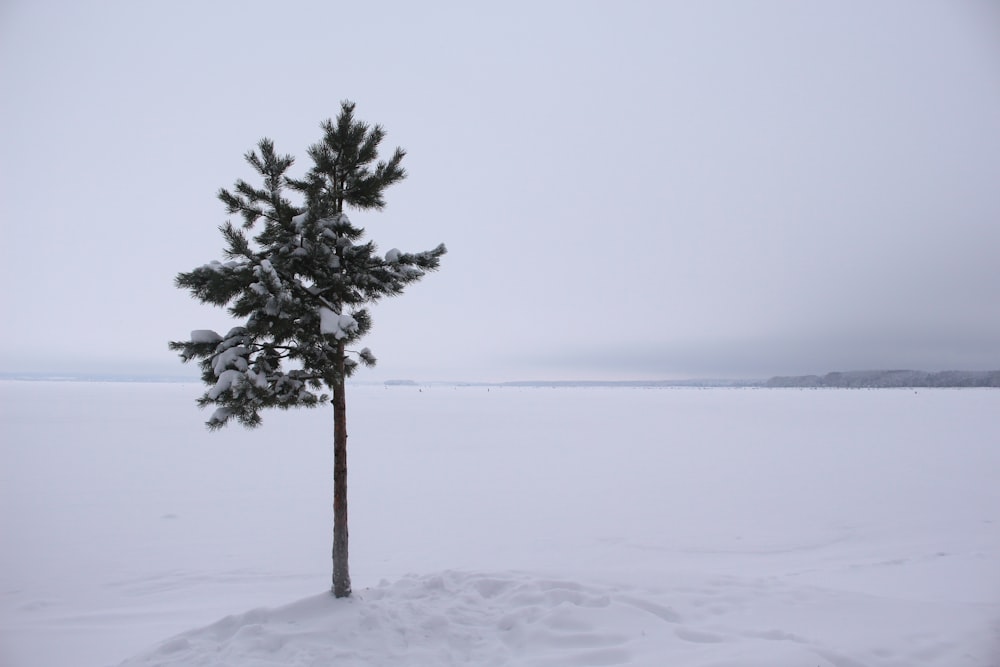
(869, 379)
(890, 379)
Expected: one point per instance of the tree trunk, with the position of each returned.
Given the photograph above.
(341, 574)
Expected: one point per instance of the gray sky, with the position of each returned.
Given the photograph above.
(628, 190)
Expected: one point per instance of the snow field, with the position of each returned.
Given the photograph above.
(504, 527)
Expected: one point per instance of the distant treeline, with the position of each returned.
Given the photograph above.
(844, 380)
(890, 379)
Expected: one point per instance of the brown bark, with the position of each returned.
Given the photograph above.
(341, 573)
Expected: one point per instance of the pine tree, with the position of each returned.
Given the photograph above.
(301, 287)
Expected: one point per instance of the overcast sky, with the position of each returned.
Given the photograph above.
(628, 190)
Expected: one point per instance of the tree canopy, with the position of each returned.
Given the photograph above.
(299, 275)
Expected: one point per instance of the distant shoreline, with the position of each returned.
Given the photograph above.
(873, 379)
(97, 377)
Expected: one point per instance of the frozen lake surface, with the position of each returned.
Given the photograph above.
(509, 526)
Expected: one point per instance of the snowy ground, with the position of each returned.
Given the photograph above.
(739, 527)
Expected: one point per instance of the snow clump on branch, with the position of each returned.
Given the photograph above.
(340, 326)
